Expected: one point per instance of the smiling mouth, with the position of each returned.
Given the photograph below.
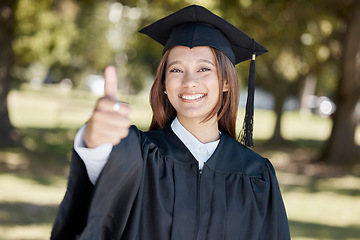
(192, 97)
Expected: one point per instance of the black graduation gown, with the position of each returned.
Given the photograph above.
(151, 189)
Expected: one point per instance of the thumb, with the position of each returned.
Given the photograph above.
(110, 88)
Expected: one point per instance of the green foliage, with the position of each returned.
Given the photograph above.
(72, 40)
(299, 35)
(42, 34)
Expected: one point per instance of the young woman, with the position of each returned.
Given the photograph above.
(188, 177)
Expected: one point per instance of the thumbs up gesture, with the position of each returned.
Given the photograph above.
(109, 122)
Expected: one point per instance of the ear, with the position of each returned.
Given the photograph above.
(226, 86)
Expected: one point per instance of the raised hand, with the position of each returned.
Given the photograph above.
(109, 122)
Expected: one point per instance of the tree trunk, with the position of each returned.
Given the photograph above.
(276, 137)
(341, 146)
(8, 135)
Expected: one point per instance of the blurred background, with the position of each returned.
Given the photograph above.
(52, 56)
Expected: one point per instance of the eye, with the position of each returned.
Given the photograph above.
(175, 70)
(204, 69)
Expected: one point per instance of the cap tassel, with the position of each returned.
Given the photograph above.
(247, 131)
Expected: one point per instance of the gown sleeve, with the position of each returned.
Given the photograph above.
(275, 225)
(86, 211)
(116, 190)
(72, 212)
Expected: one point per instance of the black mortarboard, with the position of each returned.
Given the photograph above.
(196, 26)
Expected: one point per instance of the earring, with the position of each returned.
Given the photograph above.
(165, 92)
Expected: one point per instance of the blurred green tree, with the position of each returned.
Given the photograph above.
(73, 39)
(291, 30)
(44, 33)
(313, 49)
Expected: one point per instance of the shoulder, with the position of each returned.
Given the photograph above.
(163, 139)
(233, 157)
(168, 145)
(133, 136)
(160, 135)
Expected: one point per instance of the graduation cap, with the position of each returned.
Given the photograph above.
(195, 26)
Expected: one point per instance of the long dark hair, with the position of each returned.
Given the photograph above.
(226, 109)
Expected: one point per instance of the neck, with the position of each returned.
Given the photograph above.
(205, 132)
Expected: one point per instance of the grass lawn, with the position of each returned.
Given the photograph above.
(323, 202)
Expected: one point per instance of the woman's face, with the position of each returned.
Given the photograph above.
(191, 82)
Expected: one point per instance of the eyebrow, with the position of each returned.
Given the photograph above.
(173, 63)
(207, 61)
(199, 61)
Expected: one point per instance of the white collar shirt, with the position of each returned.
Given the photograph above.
(201, 151)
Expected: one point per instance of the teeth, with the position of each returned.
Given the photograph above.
(192, 97)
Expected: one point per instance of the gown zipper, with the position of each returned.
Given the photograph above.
(200, 171)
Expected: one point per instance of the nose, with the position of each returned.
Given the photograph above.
(190, 80)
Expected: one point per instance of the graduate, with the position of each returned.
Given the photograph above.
(188, 177)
